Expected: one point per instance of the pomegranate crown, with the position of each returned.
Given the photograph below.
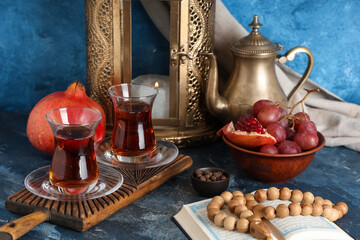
(76, 88)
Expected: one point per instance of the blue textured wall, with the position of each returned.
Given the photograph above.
(43, 49)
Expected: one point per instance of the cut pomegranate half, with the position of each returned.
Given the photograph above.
(244, 139)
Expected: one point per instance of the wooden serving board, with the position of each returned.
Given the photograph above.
(82, 215)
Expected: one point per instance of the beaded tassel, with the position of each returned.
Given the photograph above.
(250, 211)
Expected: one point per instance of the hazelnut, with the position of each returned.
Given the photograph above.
(217, 174)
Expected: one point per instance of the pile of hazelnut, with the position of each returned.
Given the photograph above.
(208, 176)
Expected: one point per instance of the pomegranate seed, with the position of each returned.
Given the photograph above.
(249, 124)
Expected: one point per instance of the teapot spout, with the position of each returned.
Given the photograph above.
(216, 104)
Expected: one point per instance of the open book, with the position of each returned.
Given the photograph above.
(193, 219)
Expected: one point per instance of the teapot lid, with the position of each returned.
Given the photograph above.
(255, 43)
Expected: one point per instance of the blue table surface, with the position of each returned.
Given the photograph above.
(333, 174)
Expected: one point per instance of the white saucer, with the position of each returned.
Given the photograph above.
(37, 182)
(165, 152)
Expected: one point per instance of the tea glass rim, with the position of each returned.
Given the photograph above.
(132, 84)
(74, 124)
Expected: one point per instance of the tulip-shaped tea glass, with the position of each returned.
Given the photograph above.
(74, 168)
(133, 138)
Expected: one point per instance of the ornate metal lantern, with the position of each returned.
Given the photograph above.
(187, 121)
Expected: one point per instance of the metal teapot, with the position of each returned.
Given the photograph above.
(253, 76)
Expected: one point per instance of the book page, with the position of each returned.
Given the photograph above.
(305, 227)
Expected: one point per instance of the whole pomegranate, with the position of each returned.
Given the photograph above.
(38, 129)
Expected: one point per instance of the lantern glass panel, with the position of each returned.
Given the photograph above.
(150, 50)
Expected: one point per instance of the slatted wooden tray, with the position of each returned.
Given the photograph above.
(82, 215)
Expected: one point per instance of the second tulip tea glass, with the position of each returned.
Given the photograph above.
(133, 138)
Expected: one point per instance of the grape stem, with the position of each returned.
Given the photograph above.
(290, 116)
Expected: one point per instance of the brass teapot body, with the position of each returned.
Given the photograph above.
(253, 76)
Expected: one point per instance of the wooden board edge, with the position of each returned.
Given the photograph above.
(151, 184)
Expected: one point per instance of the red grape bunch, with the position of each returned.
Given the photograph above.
(294, 133)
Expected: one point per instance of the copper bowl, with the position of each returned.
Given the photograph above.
(273, 168)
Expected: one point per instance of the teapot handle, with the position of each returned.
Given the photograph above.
(289, 56)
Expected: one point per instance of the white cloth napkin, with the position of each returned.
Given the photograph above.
(337, 120)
